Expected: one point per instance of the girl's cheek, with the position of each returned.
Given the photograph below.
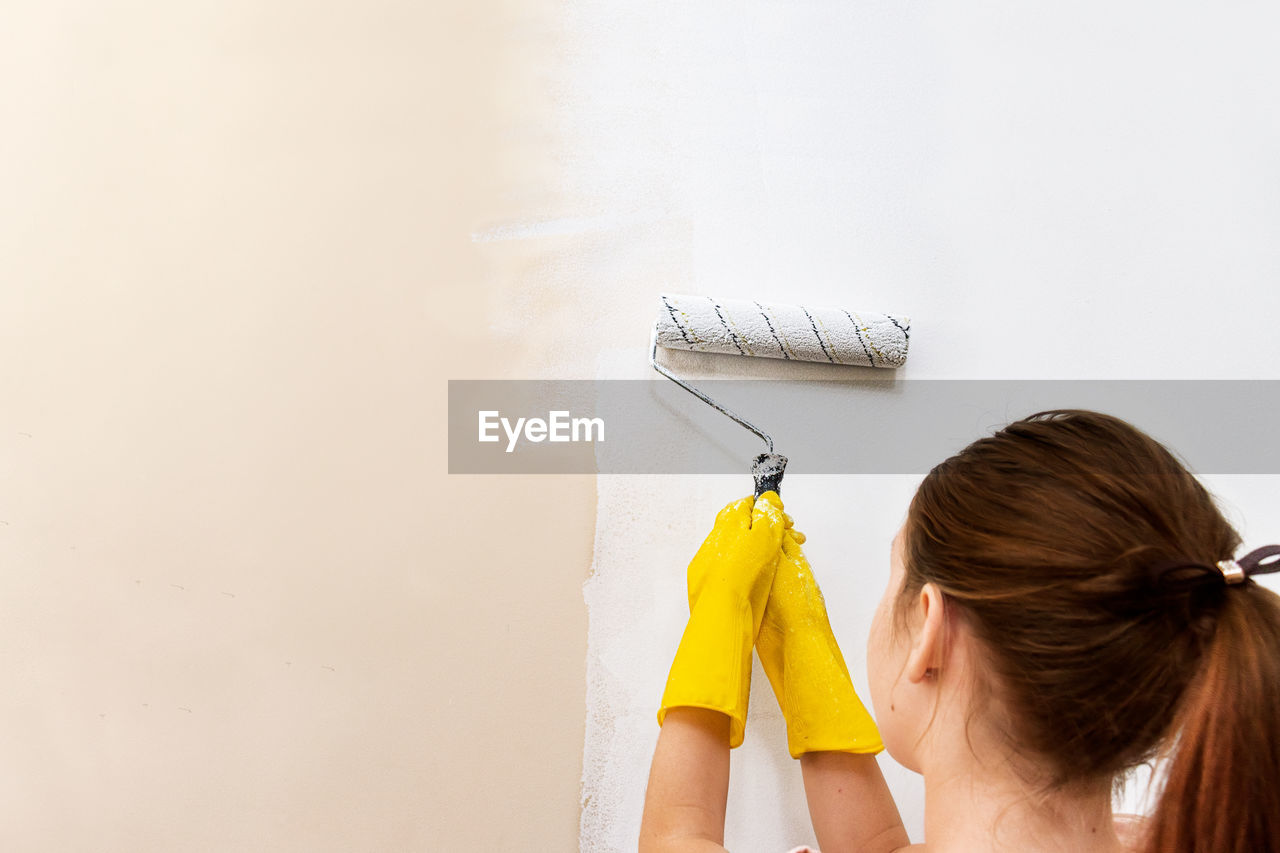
(877, 652)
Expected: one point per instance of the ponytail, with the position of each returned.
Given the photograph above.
(1222, 790)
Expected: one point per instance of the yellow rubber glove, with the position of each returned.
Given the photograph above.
(729, 580)
(800, 656)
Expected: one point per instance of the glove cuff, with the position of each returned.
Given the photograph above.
(712, 666)
(816, 695)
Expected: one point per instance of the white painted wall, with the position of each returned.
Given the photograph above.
(1070, 190)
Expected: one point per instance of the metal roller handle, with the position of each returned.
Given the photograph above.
(767, 469)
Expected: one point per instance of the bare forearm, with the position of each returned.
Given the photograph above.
(850, 804)
(684, 805)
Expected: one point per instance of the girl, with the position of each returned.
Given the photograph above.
(1062, 607)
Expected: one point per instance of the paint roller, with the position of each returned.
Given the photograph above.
(772, 330)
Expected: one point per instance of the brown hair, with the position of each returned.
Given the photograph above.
(1064, 543)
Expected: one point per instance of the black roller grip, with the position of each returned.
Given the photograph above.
(767, 469)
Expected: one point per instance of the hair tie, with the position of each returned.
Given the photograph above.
(1259, 561)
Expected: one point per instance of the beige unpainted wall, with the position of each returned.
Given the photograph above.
(245, 606)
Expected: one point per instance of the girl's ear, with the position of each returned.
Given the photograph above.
(925, 657)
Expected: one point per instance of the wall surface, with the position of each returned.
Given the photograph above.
(245, 244)
(1083, 191)
(245, 608)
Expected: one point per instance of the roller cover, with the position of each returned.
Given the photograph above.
(776, 330)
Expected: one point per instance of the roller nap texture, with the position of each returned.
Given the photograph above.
(776, 330)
